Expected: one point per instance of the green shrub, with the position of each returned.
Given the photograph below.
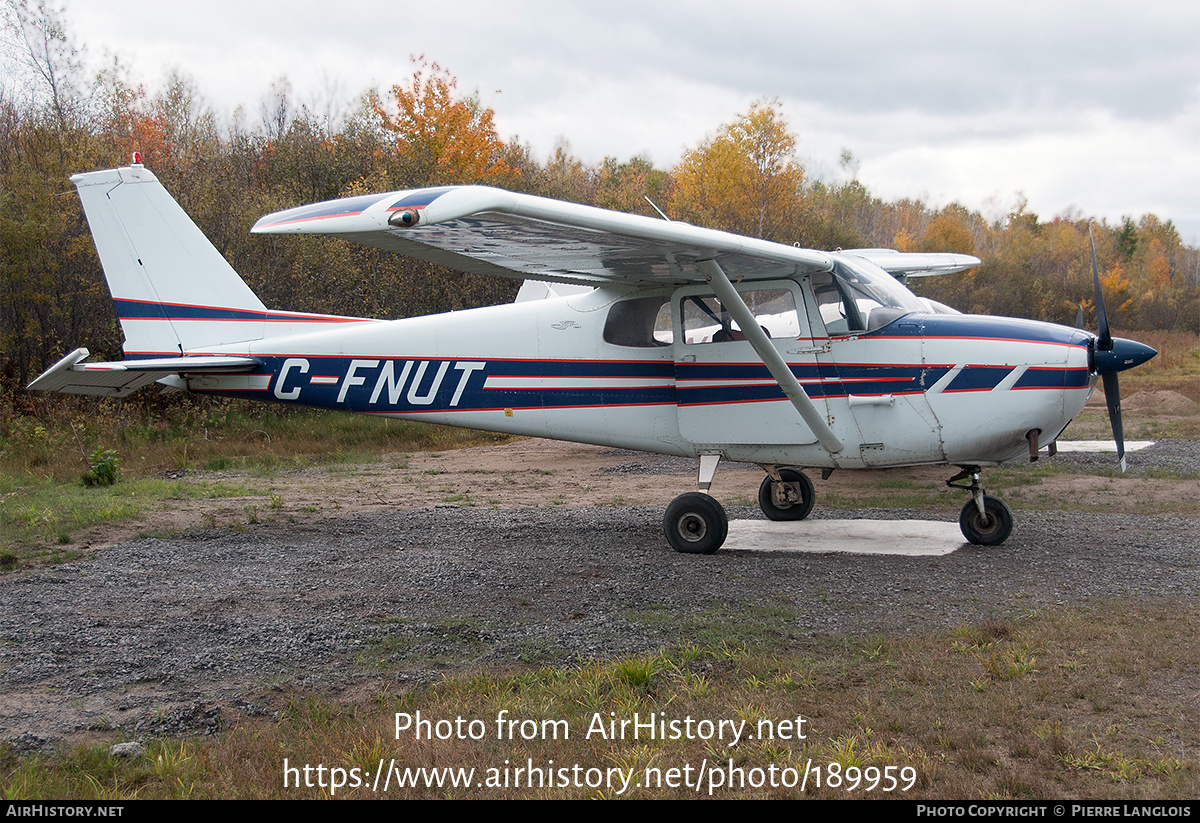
(104, 468)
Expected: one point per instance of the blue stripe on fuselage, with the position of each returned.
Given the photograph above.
(152, 310)
(412, 385)
(400, 385)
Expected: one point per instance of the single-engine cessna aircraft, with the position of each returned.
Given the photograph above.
(682, 341)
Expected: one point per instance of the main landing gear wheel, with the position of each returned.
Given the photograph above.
(695, 524)
(790, 500)
(989, 529)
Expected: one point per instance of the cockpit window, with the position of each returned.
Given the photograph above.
(858, 297)
(642, 323)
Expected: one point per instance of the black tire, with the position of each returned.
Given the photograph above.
(990, 531)
(695, 524)
(789, 511)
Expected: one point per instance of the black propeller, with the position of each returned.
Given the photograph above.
(1110, 355)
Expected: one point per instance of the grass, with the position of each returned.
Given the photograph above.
(38, 515)
(745, 625)
(48, 459)
(1175, 368)
(204, 434)
(1093, 424)
(1074, 703)
(1041, 486)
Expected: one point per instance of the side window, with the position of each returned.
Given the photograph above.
(705, 320)
(641, 323)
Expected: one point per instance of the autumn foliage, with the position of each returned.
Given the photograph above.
(437, 136)
(745, 177)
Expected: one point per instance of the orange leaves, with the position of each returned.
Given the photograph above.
(1158, 268)
(439, 136)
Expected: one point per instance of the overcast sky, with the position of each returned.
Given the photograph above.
(1090, 107)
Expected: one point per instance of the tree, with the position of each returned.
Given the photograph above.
(626, 186)
(49, 55)
(746, 179)
(440, 137)
(563, 177)
(1127, 239)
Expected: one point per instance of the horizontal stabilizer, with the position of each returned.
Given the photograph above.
(118, 379)
(539, 290)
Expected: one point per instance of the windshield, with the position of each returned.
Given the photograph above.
(859, 296)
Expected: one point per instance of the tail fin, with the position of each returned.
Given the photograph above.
(174, 291)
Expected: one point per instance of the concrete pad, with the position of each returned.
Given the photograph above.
(903, 537)
(1102, 445)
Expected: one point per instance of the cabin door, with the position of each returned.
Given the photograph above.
(724, 393)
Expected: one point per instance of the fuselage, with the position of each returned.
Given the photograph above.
(624, 368)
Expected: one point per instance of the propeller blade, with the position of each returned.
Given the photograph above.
(1109, 357)
(1079, 317)
(1112, 396)
(1104, 338)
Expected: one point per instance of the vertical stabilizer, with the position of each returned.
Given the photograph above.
(174, 291)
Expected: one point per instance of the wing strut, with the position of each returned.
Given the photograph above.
(770, 356)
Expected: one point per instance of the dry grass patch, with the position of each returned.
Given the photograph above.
(1093, 703)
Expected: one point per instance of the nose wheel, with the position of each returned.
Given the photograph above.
(695, 524)
(990, 528)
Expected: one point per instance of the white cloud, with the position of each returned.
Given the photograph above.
(1089, 104)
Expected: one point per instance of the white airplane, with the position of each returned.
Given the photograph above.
(650, 334)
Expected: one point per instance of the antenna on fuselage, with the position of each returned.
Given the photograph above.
(661, 213)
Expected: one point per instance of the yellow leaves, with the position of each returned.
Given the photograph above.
(1117, 295)
(440, 137)
(947, 233)
(1158, 269)
(904, 241)
(746, 179)
(1115, 286)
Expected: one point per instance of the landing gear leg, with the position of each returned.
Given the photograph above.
(985, 521)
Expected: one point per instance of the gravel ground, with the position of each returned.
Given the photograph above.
(1166, 455)
(1163, 456)
(166, 636)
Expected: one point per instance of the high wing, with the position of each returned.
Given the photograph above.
(122, 378)
(491, 231)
